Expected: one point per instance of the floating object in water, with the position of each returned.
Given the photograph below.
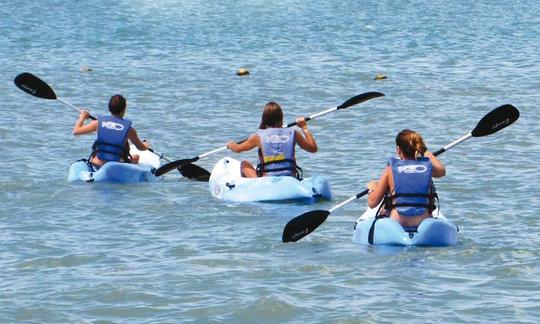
(242, 72)
(86, 69)
(380, 77)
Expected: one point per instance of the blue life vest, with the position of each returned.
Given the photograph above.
(277, 154)
(112, 134)
(413, 193)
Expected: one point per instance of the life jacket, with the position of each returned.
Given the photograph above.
(414, 192)
(277, 154)
(112, 134)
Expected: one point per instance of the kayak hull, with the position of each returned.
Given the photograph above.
(226, 183)
(435, 231)
(117, 171)
(111, 172)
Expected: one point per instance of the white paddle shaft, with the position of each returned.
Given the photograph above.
(456, 142)
(322, 113)
(213, 151)
(68, 104)
(343, 203)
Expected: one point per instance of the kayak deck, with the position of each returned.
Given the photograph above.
(111, 172)
(119, 172)
(434, 231)
(226, 183)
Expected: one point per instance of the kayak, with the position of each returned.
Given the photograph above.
(226, 183)
(434, 231)
(117, 171)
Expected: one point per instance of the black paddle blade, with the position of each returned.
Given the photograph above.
(178, 164)
(360, 98)
(304, 224)
(496, 120)
(33, 85)
(195, 172)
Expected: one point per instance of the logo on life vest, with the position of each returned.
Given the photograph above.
(415, 168)
(276, 139)
(112, 125)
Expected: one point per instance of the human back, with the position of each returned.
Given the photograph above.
(276, 144)
(113, 133)
(406, 184)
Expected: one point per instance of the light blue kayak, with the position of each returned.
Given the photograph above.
(226, 183)
(435, 231)
(117, 171)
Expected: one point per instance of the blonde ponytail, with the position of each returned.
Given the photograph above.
(418, 144)
(411, 144)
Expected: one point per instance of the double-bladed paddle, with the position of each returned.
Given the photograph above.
(493, 122)
(33, 85)
(350, 102)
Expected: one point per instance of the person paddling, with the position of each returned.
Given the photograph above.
(406, 184)
(276, 145)
(113, 133)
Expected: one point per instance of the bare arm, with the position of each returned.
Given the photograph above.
(378, 189)
(134, 138)
(438, 168)
(252, 142)
(80, 128)
(306, 139)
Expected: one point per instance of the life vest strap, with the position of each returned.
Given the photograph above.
(395, 195)
(262, 168)
(124, 155)
(430, 205)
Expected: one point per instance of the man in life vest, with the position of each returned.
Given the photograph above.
(406, 184)
(276, 145)
(113, 133)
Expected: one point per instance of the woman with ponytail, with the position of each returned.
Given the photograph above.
(276, 145)
(406, 184)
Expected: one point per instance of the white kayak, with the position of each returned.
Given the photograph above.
(117, 171)
(226, 183)
(434, 231)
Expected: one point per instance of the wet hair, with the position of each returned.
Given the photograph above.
(272, 116)
(411, 144)
(117, 104)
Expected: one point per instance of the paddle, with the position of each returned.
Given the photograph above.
(493, 122)
(33, 85)
(350, 102)
(190, 171)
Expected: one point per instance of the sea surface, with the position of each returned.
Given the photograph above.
(169, 252)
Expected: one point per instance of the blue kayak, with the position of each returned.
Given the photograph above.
(111, 172)
(434, 231)
(226, 183)
(117, 171)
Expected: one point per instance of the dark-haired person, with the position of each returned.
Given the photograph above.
(406, 184)
(113, 133)
(276, 145)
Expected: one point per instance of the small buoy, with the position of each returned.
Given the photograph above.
(379, 77)
(242, 72)
(86, 69)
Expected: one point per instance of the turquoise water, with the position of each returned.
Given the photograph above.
(169, 252)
